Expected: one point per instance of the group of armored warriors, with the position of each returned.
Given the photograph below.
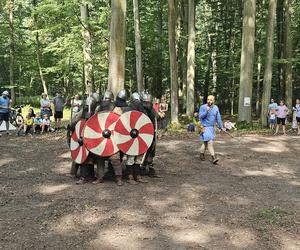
(119, 166)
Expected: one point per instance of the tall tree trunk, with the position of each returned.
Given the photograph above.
(37, 51)
(257, 106)
(279, 20)
(11, 50)
(138, 47)
(116, 76)
(288, 54)
(159, 50)
(268, 63)
(173, 61)
(87, 50)
(39, 63)
(191, 60)
(247, 56)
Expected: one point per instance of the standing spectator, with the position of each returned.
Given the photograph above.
(59, 104)
(282, 112)
(297, 111)
(163, 109)
(272, 106)
(156, 105)
(5, 110)
(45, 105)
(76, 105)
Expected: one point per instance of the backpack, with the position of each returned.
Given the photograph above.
(191, 127)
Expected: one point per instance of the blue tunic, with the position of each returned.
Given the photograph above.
(208, 120)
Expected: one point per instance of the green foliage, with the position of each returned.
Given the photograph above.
(271, 215)
(58, 26)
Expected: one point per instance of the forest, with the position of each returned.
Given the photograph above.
(184, 49)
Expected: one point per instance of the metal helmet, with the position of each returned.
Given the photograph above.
(95, 96)
(5, 92)
(122, 94)
(135, 96)
(146, 97)
(108, 95)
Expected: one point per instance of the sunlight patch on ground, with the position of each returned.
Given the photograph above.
(295, 183)
(171, 145)
(6, 160)
(268, 172)
(242, 239)
(190, 236)
(66, 155)
(62, 167)
(132, 216)
(271, 147)
(121, 237)
(236, 200)
(289, 243)
(51, 189)
(202, 233)
(71, 222)
(161, 205)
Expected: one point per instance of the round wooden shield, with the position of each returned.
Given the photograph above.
(98, 134)
(134, 133)
(79, 152)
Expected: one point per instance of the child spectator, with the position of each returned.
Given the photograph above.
(45, 124)
(228, 125)
(37, 122)
(282, 112)
(272, 119)
(294, 123)
(27, 125)
(297, 114)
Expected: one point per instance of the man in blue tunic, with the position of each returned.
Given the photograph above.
(209, 114)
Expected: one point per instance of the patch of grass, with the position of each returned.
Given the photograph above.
(270, 215)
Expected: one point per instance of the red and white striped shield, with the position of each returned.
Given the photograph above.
(98, 134)
(79, 152)
(134, 133)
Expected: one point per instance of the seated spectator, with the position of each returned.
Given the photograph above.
(45, 124)
(228, 125)
(37, 123)
(26, 125)
(31, 112)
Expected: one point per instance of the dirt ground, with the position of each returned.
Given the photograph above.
(251, 200)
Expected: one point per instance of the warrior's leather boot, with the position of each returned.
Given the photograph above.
(119, 180)
(202, 157)
(131, 180)
(152, 173)
(81, 181)
(98, 181)
(140, 179)
(214, 159)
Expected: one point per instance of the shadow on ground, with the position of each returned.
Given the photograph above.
(250, 201)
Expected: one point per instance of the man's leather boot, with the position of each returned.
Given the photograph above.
(202, 157)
